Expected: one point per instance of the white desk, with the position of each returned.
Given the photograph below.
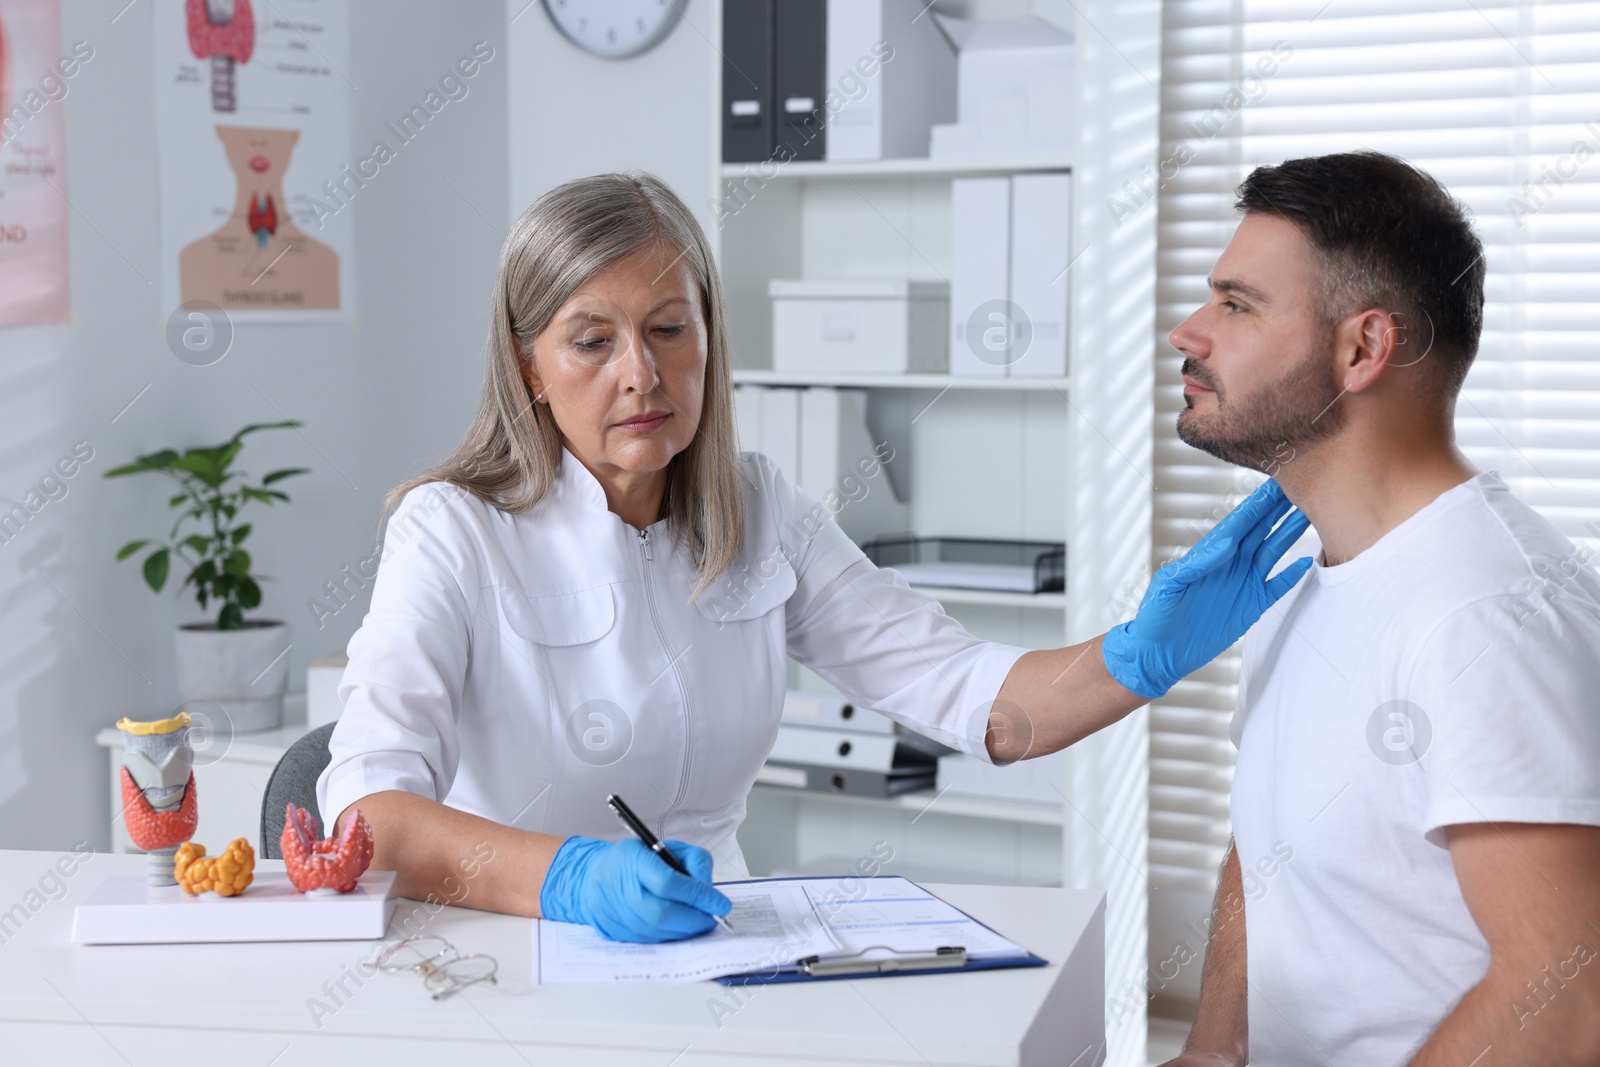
(253, 1004)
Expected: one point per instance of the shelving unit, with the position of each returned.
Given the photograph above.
(891, 218)
(926, 802)
(937, 382)
(996, 599)
(1065, 459)
(883, 168)
(974, 457)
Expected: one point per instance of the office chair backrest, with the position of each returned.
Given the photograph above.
(294, 780)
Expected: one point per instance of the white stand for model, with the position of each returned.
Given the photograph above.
(123, 910)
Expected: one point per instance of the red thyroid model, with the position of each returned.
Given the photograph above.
(324, 864)
(152, 830)
(223, 31)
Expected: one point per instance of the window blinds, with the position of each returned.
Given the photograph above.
(1500, 102)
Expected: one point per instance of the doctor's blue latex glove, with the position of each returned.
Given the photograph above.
(1204, 601)
(629, 893)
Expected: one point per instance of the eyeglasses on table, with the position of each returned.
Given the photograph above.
(444, 971)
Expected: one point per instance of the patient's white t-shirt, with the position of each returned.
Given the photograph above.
(1449, 674)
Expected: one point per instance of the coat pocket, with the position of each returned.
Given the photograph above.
(749, 591)
(573, 617)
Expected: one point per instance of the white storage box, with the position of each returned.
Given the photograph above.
(886, 110)
(888, 326)
(1016, 80)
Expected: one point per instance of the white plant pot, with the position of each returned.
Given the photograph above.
(244, 672)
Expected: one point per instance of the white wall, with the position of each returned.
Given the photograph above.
(82, 641)
(657, 111)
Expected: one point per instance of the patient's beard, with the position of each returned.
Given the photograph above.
(1265, 429)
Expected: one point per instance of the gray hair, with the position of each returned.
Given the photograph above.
(512, 450)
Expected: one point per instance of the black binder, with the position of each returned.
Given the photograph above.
(774, 80)
(800, 78)
(747, 96)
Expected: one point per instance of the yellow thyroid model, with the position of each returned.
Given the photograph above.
(227, 874)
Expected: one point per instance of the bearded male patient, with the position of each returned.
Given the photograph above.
(1418, 721)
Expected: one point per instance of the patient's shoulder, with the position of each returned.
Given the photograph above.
(1497, 543)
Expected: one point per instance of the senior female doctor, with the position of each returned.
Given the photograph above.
(597, 593)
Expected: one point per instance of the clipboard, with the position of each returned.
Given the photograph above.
(945, 959)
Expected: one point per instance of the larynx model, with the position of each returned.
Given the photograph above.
(159, 803)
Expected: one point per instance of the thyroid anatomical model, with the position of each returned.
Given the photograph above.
(226, 875)
(259, 259)
(159, 803)
(333, 863)
(223, 31)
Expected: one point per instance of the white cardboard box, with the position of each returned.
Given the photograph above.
(980, 255)
(888, 326)
(747, 416)
(780, 428)
(886, 109)
(1016, 85)
(840, 464)
(1041, 215)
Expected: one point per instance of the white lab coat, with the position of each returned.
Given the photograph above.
(521, 667)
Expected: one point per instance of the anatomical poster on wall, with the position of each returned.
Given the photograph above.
(35, 76)
(253, 122)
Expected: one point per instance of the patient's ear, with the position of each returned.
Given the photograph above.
(1368, 343)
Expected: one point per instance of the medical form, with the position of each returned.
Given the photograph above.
(781, 926)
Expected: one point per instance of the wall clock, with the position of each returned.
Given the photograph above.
(614, 29)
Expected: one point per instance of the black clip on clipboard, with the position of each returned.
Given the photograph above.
(946, 959)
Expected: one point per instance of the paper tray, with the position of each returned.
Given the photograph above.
(125, 910)
(973, 563)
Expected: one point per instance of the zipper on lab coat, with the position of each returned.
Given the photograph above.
(683, 692)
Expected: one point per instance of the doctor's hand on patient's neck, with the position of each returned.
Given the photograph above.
(1196, 607)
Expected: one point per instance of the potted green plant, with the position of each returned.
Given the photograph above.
(236, 663)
